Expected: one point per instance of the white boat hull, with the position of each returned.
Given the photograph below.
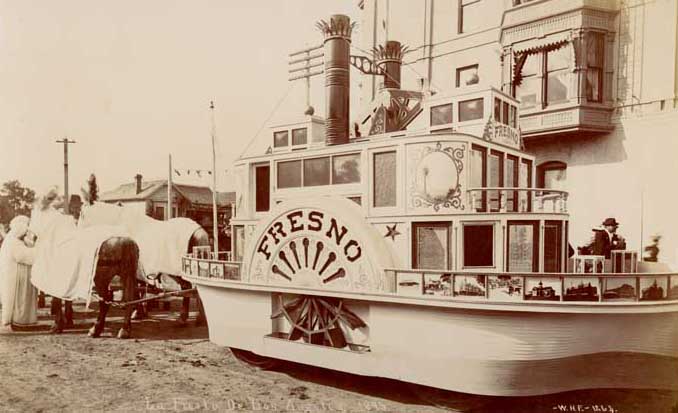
(472, 350)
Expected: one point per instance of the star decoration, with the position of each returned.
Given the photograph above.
(392, 232)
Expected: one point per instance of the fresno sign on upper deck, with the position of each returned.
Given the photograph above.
(315, 247)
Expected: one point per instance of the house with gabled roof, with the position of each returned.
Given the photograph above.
(190, 201)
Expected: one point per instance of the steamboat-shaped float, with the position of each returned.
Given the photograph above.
(422, 252)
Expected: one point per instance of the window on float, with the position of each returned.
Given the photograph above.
(238, 242)
(317, 171)
(346, 169)
(385, 173)
(511, 181)
(441, 114)
(431, 245)
(523, 246)
(478, 245)
(525, 181)
(299, 136)
(495, 178)
(280, 139)
(470, 109)
(553, 246)
(262, 195)
(478, 177)
(289, 174)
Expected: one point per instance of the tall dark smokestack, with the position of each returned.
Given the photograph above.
(337, 33)
(138, 178)
(390, 59)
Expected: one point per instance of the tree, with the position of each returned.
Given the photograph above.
(15, 199)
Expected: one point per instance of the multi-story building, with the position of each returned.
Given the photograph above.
(597, 85)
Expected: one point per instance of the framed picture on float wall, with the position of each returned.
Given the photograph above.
(409, 284)
(619, 289)
(505, 288)
(438, 284)
(581, 289)
(543, 289)
(469, 285)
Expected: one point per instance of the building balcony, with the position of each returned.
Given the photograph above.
(562, 119)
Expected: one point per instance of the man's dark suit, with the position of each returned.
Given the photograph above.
(602, 245)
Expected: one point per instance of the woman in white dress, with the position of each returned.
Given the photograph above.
(17, 295)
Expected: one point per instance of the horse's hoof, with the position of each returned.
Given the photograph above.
(123, 333)
(138, 315)
(56, 329)
(94, 332)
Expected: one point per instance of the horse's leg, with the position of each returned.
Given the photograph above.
(129, 283)
(140, 311)
(200, 320)
(55, 309)
(101, 287)
(41, 299)
(185, 302)
(69, 314)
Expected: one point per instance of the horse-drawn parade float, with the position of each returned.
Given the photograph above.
(421, 251)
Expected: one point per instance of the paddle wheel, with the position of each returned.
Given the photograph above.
(318, 320)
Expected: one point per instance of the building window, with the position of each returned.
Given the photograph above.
(431, 245)
(470, 17)
(317, 171)
(467, 76)
(595, 48)
(289, 174)
(299, 136)
(543, 77)
(470, 109)
(528, 91)
(280, 139)
(159, 213)
(523, 246)
(385, 172)
(557, 75)
(478, 245)
(263, 188)
(552, 175)
(441, 114)
(346, 169)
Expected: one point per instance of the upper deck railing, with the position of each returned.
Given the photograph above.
(517, 200)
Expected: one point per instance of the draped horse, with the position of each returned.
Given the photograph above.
(72, 261)
(161, 245)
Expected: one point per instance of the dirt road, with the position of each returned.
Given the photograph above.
(166, 367)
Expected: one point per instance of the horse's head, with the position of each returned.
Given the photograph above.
(45, 214)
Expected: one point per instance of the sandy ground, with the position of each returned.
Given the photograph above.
(165, 367)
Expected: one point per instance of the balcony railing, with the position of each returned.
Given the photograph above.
(517, 200)
(529, 287)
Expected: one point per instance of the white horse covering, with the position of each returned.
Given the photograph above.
(161, 243)
(66, 257)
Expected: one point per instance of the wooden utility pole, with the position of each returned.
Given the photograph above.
(215, 222)
(65, 141)
(168, 215)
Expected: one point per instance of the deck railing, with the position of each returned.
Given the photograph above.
(524, 287)
(493, 287)
(517, 200)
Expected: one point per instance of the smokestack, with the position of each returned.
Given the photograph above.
(138, 177)
(337, 51)
(390, 59)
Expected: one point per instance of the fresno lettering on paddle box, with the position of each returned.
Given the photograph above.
(329, 232)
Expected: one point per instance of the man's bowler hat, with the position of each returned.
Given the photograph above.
(610, 222)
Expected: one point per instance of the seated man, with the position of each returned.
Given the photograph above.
(606, 239)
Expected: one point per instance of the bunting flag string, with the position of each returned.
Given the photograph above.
(198, 172)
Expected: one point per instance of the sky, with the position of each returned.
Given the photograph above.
(130, 81)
